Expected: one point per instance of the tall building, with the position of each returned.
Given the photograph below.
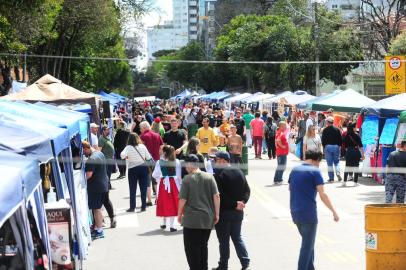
(349, 9)
(175, 34)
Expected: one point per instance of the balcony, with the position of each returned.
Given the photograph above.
(193, 3)
(193, 28)
(193, 20)
(193, 11)
(193, 37)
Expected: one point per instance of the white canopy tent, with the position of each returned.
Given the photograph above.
(229, 101)
(267, 104)
(258, 101)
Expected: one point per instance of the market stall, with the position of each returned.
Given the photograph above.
(25, 239)
(70, 183)
(349, 101)
(235, 100)
(257, 102)
(275, 104)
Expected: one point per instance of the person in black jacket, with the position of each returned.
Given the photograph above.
(331, 140)
(120, 141)
(234, 194)
(354, 153)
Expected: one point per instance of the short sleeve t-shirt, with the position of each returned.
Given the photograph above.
(239, 123)
(303, 182)
(279, 150)
(96, 163)
(312, 143)
(207, 139)
(175, 138)
(397, 159)
(107, 147)
(198, 190)
(248, 118)
(257, 126)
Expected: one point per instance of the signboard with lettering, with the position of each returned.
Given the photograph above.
(395, 73)
(60, 236)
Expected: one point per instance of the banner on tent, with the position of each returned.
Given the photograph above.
(395, 73)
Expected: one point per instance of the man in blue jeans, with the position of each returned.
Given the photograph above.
(234, 194)
(332, 140)
(305, 181)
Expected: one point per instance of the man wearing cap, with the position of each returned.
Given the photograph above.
(234, 144)
(107, 148)
(332, 140)
(94, 130)
(234, 194)
(198, 212)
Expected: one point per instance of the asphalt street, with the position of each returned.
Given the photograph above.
(272, 239)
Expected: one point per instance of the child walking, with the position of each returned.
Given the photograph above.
(167, 172)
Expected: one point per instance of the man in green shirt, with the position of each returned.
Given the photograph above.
(199, 204)
(107, 148)
(248, 117)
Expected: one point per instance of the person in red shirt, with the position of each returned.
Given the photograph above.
(257, 132)
(153, 142)
(282, 151)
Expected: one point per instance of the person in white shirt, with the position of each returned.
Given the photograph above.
(311, 121)
(137, 156)
(94, 129)
(311, 140)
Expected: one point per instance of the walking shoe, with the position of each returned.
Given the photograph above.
(163, 227)
(246, 268)
(97, 235)
(143, 209)
(339, 177)
(149, 204)
(130, 210)
(330, 180)
(113, 223)
(173, 230)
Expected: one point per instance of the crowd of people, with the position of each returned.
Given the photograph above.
(187, 158)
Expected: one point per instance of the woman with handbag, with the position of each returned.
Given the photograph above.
(136, 156)
(168, 173)
(354, 153)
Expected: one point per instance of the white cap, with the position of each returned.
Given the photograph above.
(94, 125)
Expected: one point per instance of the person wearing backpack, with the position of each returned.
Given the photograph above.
(269, 136)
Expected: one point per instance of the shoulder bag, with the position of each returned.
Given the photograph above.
(149, 163)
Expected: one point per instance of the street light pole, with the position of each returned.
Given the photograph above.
(317, 54)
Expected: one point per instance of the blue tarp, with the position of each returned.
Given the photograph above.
(24, 141)
(83, 108)
(370, 129)
(388, 107)
(59, 136)
(389, 131)
(221, 96)
(28, 110)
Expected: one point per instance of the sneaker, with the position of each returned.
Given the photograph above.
(163, 227)
(330, 180)
(339, 177)
(97, 235)
(173, 230)
(130, 210)
(246, 268)
(149, 204)
(143, 209)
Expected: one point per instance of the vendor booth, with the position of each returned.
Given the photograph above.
(235, 100)
(275, 104)
(23, 224)
(386, 114)
(348, 101)
(257, 102)
(63, 129)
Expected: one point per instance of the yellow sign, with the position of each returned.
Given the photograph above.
(395, 75)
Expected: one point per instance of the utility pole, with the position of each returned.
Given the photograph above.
(317, 53)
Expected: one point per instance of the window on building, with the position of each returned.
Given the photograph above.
(346, 7)
(334, 6)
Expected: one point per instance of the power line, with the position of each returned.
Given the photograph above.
(196, 61)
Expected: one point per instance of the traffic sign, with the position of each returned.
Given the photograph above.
(395, 75)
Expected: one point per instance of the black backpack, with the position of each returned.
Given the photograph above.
(270, 131)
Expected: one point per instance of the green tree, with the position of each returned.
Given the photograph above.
(398, 45)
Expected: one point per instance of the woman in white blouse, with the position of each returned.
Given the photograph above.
(136, 155)
(311, 140)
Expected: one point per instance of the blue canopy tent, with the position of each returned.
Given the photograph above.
(208, 97)
(83, 118)
(120, 97)
(60, 118)
(221, 96)
(82, 108)
(108, 97)
(12, 208)
(32, 191)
